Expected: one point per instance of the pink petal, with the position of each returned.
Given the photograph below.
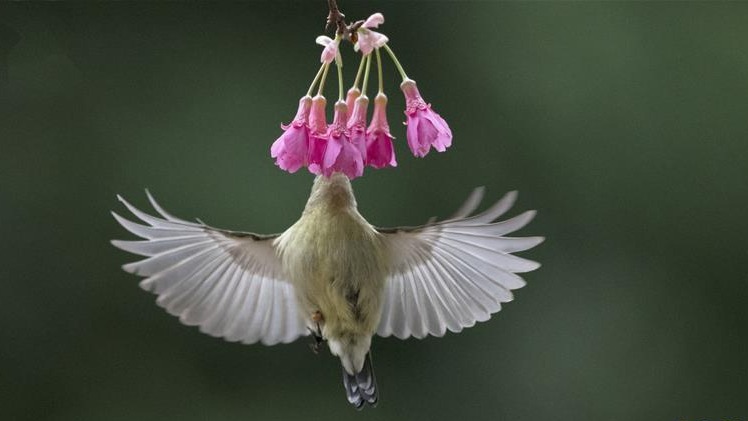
(349, 161)
(358, 140)
(331, 48)
(291, 149)
(374, 21)
(317, 147)
(334, 146)
(323, 40)
(443, 138)
(379, 150)
(369, 40)
(411, 134)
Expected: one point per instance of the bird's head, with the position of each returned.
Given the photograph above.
(334, 191)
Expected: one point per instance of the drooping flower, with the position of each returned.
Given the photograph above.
(368, 40)
(291, 149)
(340, 154)
(351, 96)
(357, 124)
(426, 128)
(379, 150)
(347, 145)
(317, 134)
(330, 52)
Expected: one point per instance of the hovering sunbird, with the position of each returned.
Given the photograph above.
(333, 275)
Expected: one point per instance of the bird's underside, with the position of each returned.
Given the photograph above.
(244, 287)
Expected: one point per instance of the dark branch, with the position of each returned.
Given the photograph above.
(336, 19)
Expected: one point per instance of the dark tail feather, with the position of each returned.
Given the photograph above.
(361, 388)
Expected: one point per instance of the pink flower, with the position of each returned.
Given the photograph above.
(350, 98)
(291, 149)
(368, 40)
(379, 150)
(357, 124)
(330, 52)
(317, 134)
(426, 128)
(340, 154)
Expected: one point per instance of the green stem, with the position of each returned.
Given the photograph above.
(324, 78)
(358, 73)
(396, 61)
(316, 79)
(341, 93)
(379, 71)
(366, 75)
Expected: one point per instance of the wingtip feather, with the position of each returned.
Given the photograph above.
(471, 203)
(131, 268)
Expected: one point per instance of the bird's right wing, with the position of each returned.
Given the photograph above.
(449, 275)
(229, 283)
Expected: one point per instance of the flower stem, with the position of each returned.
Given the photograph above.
(324, 78)
(366, 75)
(316, 79)
(396, 61)
(359, 72)
(379, 71)
(341, 92)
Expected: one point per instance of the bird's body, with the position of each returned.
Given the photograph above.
(338, 264)
(333, 274)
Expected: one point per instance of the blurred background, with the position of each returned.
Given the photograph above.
(624, 124)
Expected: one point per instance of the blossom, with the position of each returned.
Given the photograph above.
(350, 98)
(368, 40)
(379, 150)
(426, 128)
(290, 150)
(340, 154)
(357, 124)
(317, 134)
(330, 52)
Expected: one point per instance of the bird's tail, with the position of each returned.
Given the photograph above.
(361, 388)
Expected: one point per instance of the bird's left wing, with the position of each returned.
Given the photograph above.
(451, 274)
(229, 283)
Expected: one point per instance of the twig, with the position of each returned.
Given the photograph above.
(336, 19)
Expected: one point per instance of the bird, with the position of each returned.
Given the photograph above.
(333, 275)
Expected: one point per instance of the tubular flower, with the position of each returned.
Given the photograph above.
(357, 124)
(426, 128)
(292, 147)
(350, 98)
(317, 134)
(379, 149)
(368, 40)
(340, 154)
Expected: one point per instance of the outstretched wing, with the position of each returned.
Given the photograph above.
(449, 275)
(229, 283)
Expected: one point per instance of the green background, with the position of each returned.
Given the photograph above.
(624, 124)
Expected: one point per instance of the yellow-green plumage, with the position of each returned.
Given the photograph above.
(338, 265)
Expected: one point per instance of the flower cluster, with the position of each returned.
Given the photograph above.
(348, 144)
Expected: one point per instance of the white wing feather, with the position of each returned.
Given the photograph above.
(449, 275)
(228, 283)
